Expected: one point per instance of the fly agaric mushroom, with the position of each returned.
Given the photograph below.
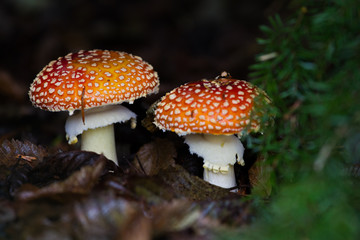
(93, 81)
(209, 113)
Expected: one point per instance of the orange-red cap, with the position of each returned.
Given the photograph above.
(91, 79)
(221, 106)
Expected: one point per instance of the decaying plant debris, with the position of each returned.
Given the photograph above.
(83, 195)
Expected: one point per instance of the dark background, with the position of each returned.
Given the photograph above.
(184, 40)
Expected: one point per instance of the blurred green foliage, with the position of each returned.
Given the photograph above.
(309, 66)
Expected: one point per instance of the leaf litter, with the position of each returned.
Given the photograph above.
(82, 195)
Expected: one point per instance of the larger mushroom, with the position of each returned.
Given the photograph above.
(209, 113)
(93, 82)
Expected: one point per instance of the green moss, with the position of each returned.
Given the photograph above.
(309, 66)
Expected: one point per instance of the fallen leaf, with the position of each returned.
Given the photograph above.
(102, 216)
(137, 226)
(61, 165)
(80, 182)
(99, 215)
(176, 215)
(184, 184)
(154, 157)
(148, 121)
(171, 183)
(12, 151)
(232, 211)
(51, 169)
(260, 178)
(17, 159)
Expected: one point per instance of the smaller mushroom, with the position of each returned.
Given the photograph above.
(94, 82)
(209, 113)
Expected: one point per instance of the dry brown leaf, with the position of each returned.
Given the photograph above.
(13, 150)
(183, 184)
(148, 121)
(17, 159)
(102, 216)
(80, 182)
(173, 182)
(161, 219)
(99, 215)
(175, 215)
(154, 157)
(260, 178)
(137, 226)
(61, 165)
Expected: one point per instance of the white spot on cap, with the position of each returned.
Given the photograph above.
(189, 100)
(167, 107)
(172, 96)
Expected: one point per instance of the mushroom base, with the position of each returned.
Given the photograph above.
(224, 180)
(220, 153)
(100, 140)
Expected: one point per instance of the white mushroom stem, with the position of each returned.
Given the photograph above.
(100, 140)
(222, 179)
(98, 129)
(220, 153)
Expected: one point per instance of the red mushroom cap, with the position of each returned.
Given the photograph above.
(222, 106)
(92, 78)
